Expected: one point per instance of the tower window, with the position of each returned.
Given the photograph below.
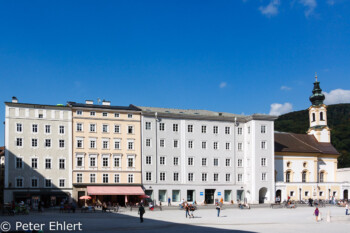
(313, 117)
(321, 116)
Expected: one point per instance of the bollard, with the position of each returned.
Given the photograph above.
(329, 216)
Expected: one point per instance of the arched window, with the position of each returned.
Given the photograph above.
(321, 177)
(288, 164)
(313, 117)
(304, 175)
(305, 164)
(321, 116)
(288, 176)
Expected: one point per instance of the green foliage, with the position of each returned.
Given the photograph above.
(338, 117)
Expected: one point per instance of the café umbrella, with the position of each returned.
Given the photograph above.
(85, 198)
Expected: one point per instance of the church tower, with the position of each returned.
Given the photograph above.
(318, 115)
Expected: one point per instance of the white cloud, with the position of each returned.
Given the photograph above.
(271, 9)
(223, 84)
(310, 6)
(285, 88)
(337, 96)
(279, 109)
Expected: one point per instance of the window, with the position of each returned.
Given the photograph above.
(105, 128)
(190, 128)
(34, 182)
(92, 178)
(239, 177)
(263, 162)
(105, 162)
(228, 162)
(105, 144)
(61, 129)
(176, 143)
(117, 144)
(148, 159)
(130, 178)
(321, 177)
(61, 143)
(92, 161)
(228, 146)
(175, 127)
(19, 127)
(161, 143)
(92, 128)
(263, 129)
(306, 193)
(47, 163)
(148, 142)
(116, 115)
(92, 143)
(19, 163)
(204, 177)
(79, 143)
(148, 176)
(105, 178)
(104, 114)
(162, 160)
(148, 125)
(304, 176)
(130, 116)
(176, 176)
(130, 129)
(79, 178)
(239, 163)
(92, 113)
(313, 117)
(34, 142)
(62, 163)
(19, 141)
(41, 116)
(61, 183)
(79, 112)
(116, 161)
(287, 176)
(248, 129)
(216, 162)
(79, 161)
(19, 182)
(162, 176)
(48, 183)
(79, 127)
(34, 163)
(215, 129)
(227, 130)
(130, 162)
(204, 129)
(176, 161)
(204, 145)
(204, 161)
(216, 177)
(291, 193)
(263, 176)
(263, 145)
(190, 144)
(239, 131)
(321, 116)
(47, 128)
(321, 193)
(215, 145)
(240, 146)
(190, 161)
(190, 176)
(161, 126)
(116, 178)
(130, 145)
(116, 128)
(34, 128)
(228, 177)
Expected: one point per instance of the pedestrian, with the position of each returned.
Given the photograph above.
(141, 212)
(316, 213)
(187, 210)
(347, 209)
(218, 209)
(169, 201)
(160, 206)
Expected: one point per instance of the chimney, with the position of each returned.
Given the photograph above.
(14, 99)
(106, 102)
(89, 102)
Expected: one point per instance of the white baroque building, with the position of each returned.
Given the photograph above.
(199, 155)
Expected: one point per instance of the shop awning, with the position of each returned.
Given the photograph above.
(115, 190)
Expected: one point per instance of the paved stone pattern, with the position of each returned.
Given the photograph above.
(174, 220)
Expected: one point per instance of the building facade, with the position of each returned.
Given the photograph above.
(38, 152)
(106, 152)
(203, 156)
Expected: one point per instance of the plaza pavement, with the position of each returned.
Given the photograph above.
(171, 220)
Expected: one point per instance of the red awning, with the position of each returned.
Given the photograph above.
(115, 190)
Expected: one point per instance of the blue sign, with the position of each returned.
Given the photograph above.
(201, 194)
(219, 193)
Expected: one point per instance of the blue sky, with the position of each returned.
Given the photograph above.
(241, 56)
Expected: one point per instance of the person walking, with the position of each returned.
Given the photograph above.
(218, 209)
(169, 201)
(141, 212)
(316, 213)
(347, 208)
(160, 206)
(187, 210)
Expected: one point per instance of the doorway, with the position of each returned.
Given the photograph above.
(262, 195)
(240, 195)
(190, 195)
(278, 196)
(346, 194)
(209, 196)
